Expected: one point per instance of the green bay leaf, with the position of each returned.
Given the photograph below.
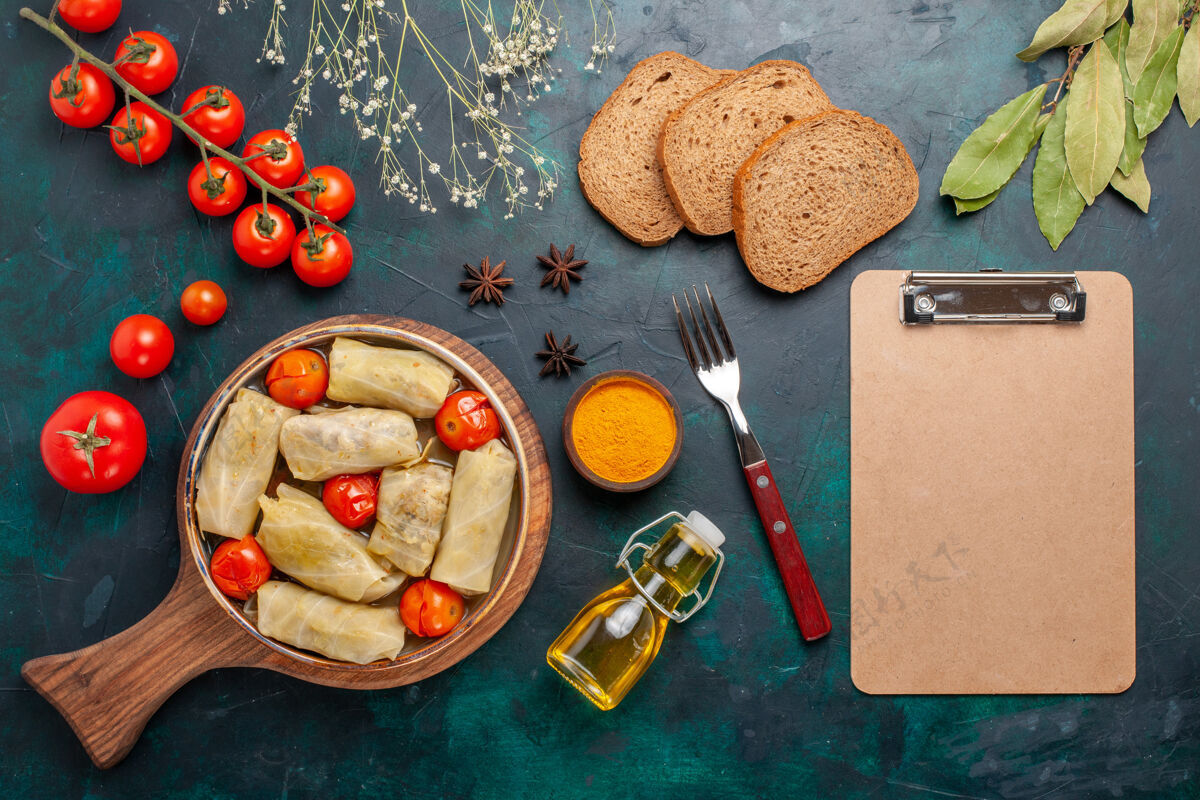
(1154, 92)
(993, 152)
(1076, 22)
(966, 206)
(1135, 187)
(1153, 21)
(1056, 201)
(1117, 40)
(1134, 145)
(1095, 122)
(1187, 72)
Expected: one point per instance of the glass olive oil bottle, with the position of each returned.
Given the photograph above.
(614, 639)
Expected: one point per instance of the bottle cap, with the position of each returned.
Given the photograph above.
(703, 527)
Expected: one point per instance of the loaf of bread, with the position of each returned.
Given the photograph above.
(815, 193)
(703, 144)
(618, 167)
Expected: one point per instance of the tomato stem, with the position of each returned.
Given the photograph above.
(88, 442)
(64, 37)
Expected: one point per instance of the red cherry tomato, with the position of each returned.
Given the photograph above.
(431, 608)
(239, 567)
(141, 346)
(89, 16)
(466, 420)
(94, 442)
(298, 378)
(147, 60)
(334, 195)
(220, 194)
(350, 499)
(203, 303)
(263, 240)
(283, 164)
(142, 138)
(216, 113)
(82, 96)
(323, 260)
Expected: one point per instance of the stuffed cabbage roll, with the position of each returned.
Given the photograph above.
(301, 539)
(319, 446)
(335, 628)
(239, 462)
(479, 500)
(409, 380)
(409, 513)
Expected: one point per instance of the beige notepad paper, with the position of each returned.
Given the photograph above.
(992, 497)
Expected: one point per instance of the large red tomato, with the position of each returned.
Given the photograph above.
(82, 96)
(276, 156)
(261, 238)
(141, 137)
(334, 195)
(220, 194)
(323, 259)
(147, 60)
(89, 16)
(216, 113)
(141, 346)
(94, 442)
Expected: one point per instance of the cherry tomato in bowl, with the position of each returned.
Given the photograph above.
(218, 190)
(82, 96)
(323, 259)
(298, 378)
(94, 442)
(141, 346)
(466, 421)
(261, 238)
(431, 608)
(334, 193)
(216, 113)
(140, 137)
(203, 303)
(351, 499)
(89, 16)
(147, 60)
(239, 567)
(276, 156)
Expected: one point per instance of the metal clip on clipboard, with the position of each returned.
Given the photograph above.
(988, 296)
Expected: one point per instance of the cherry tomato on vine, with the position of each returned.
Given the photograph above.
(89, 16)
(216, 113)
(431, 608)
(81, 96)
(239, 567)
(141, 346)
(323, 259)
(350, 499)
(141, 138)
(203, 303)
(261, 239)
(466, 420)
(334, 195)
(94, 442)
(283, 164)
(220, 194)
(298, 378)
(147, 60)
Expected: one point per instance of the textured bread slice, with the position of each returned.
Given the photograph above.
(815, 193)
(618, 167)
(703, 144)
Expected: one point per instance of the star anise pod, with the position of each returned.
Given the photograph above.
(559, 357)
(562, 268)
(485, 282)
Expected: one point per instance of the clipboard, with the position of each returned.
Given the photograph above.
(991, 483)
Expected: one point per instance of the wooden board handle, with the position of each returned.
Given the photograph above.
(109, 690)
(793, 568)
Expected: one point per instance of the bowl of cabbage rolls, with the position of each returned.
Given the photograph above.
(359, 498)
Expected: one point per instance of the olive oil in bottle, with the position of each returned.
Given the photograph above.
(614, 639)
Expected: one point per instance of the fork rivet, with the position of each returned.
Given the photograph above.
(779, 527)
(763, 482)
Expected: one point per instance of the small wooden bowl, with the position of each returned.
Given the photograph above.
(569, 424)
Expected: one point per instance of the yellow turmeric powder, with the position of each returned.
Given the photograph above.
(623, 430)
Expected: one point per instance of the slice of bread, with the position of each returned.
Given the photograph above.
(815, 193)
(703, 144)
(618, 166)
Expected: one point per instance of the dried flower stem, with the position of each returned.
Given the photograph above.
(177, 120)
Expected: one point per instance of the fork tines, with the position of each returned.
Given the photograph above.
(706, 343)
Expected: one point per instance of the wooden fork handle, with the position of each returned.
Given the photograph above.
(789, 558)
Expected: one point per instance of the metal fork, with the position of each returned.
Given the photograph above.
(715, 364)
